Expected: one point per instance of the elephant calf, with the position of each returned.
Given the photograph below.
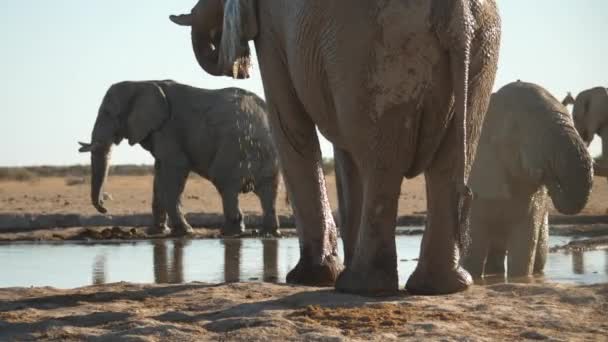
(529, 150)
(222, 135)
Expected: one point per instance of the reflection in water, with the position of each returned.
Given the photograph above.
(606, 261)
(232, 260)
(169, 261)
(271, 260)
(99, 270)
(169, 271)
(578, 262)
(502, 279)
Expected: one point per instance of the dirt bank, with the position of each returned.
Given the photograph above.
(132, 195)
(263, 312)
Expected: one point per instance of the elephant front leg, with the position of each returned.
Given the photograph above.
(542, 246)
(438, 270)
(159, 213)
(348, 184)
(173, 181)
(477, 250)
(495, 262)
(233, 217)
(523, 240)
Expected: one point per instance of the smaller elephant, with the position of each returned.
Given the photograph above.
(529, 150)
(222, 135)
(590, 114)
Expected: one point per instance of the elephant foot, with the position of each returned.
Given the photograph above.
(233, 229)
(183, 231)
(232, 233)
(275, 232)
(159, 230)
(368, 282)
(308, 274)
(438, 282)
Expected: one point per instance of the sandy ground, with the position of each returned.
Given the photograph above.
(264, 312)
(132, 194)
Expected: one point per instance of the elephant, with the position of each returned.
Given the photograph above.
(590, 114)
(528, 151)
(222, 135)
(398, 87)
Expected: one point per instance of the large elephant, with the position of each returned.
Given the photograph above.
(529, 151)
(590, 114)
(399, 88)
(222, 135)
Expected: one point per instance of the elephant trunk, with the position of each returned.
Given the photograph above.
(570, 175)
(99, 173)
(207, 52)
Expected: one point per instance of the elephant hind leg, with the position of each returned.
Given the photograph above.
(348, 184)
(299, 152)
(438, 270)
(381, 165)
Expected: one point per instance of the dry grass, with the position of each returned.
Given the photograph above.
(29, 173)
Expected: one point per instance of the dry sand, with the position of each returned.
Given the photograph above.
(265, 312)
(132, 194)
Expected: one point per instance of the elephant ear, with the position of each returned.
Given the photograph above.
(240, 26)
(148, 112)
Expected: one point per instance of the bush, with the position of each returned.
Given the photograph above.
(71, 173)
(17, 174)
(72, 181)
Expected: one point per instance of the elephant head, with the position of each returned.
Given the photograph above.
(550, 150)
(129, 110)
(590, 112)
(528, 140)
(221, 30)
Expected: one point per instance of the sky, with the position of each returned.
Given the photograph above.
(58, 58)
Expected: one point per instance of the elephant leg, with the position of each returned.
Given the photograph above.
(267, 194)
(523, 238)
(173, 181)
(233, 217)
(158, 210)
(348, 184)
(522, 250)
(542, 246)
(438, 270)
(161, 262)
(295, 137)
(373, 267)
(477, 250)
(497, 251)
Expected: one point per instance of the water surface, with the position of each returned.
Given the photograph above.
(68, 265)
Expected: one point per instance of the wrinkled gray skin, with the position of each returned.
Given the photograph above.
(529, 151)
(399, 88)
(590, 114)
(222, 135)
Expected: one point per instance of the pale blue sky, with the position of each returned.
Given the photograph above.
(59, 57)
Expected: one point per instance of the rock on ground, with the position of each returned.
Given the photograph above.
(265, 312)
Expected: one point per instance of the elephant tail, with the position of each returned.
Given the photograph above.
(458, 36)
